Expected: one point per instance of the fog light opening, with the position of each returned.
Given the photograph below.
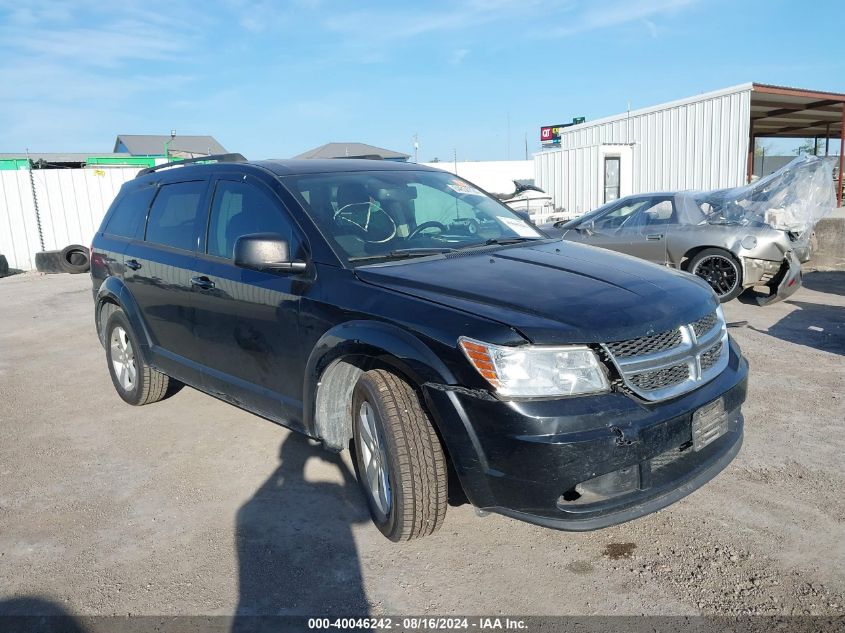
(571, 495)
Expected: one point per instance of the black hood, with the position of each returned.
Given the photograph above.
(555, 292)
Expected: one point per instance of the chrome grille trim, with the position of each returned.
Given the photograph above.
(658, 373)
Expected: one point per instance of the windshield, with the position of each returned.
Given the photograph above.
(369, 216)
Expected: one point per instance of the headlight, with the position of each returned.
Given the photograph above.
(748, 242)
(530, 371)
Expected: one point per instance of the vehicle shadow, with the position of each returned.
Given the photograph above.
(296, 553)
(814, 325)
(23, 614)
(831, 282)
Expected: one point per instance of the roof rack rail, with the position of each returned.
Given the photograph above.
(214, 158)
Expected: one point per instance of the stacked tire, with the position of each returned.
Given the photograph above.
(73, 259)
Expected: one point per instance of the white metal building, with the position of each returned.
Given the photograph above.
(703, 142)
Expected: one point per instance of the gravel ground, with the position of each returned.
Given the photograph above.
(191, 506)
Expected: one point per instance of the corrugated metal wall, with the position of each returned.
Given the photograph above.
(72, 203)
(699, 143)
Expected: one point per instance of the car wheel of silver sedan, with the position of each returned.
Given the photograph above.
(720, 270)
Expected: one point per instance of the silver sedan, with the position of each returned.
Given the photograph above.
(689, 231)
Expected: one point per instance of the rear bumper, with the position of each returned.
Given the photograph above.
(529, 460)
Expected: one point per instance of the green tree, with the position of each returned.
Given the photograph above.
(808, 146)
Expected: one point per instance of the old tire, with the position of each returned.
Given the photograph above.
(720, 270)
(4, 266)
(49, 262)
(75, 259)
(134, 380)
(396, 446)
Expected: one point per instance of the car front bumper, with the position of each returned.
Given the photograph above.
(588, 462)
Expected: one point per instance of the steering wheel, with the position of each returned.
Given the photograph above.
(431, 224)
(363, 228)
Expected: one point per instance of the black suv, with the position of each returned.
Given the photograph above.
(405, 314)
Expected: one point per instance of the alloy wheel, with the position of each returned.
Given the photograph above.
(122, 357)
(720, 272)
(374, 459)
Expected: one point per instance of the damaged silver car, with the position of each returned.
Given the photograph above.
(758, 235)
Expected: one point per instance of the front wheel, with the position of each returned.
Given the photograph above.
(400, 463)
(720, 270)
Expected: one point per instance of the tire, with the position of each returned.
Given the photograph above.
(4, 266)
(141, 384)
(74, 259)
(720, 270)
(49, 262)
(407, 454)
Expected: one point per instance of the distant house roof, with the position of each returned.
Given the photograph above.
(352, 150)
(153, 145)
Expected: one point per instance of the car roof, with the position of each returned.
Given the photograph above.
(327, 165)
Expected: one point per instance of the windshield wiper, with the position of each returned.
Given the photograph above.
(501, 241)
(404, 253)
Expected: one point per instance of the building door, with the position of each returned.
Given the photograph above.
(612, 179)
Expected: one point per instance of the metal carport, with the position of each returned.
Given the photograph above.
(782, 112)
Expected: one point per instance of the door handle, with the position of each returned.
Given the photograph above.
(203, 283)
(134, 264)
(654, 236)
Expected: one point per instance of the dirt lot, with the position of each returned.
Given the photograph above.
(191, 506)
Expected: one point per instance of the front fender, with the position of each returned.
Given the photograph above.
(372, 341)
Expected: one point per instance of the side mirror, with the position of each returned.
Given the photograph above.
(268, 252)
(587, 227)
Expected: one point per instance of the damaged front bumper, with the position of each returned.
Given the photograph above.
(785, 283)
(590, 462)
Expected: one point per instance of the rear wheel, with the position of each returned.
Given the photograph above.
(719, 269)
(135, 381)
(400, 463)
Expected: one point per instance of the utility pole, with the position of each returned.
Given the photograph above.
(167, 146)
(526, 145)
(455, 159)
(416, 147)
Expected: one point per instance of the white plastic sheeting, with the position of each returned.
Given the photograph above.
(71, 203)
(794, 198)
(695, 143)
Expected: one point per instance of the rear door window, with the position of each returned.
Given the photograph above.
(130, 212)
(173, 217)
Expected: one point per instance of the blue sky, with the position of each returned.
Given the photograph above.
(272, 79)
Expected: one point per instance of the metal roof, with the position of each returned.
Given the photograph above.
(352, 150)
(153, 145)
(776, 110)
(781, 111)
(59, 157)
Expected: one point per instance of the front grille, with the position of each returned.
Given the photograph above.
(711, 356)
(704, 325)
(645, 344)
(671, 363)
(661, 378)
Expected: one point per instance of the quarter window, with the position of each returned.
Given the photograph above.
(241, 209)
(130, 212)
(173, 218)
